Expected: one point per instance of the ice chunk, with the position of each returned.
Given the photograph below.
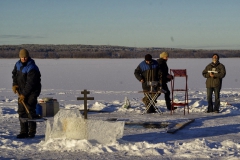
(48, 130)
(70, 124)
(59, 122)
(104, 131)
(76, 128)
(126, 103)
(100, 131)
(1, 117)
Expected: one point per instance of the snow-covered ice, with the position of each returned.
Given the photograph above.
(109, 81)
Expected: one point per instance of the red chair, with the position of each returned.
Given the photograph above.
(179, 73)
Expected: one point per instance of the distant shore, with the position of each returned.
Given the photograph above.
(106, 51)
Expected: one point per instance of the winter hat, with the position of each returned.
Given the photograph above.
(23, 53)
(148, 57)
(164, 55)
(216, 55)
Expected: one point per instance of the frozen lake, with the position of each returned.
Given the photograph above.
(113, 74)
(210, 136)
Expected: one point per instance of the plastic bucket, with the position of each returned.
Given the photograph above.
(39, 110)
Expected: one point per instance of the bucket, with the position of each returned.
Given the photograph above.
(39, 110)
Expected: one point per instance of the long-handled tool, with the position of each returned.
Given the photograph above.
(25, 106)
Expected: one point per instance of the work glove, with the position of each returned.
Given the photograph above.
(15, 88)
(21, 98)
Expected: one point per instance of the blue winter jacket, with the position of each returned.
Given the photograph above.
(147, 72)
(28, 77)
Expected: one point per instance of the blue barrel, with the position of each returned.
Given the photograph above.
(39, 110)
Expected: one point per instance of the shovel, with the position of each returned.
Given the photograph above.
(25, 106)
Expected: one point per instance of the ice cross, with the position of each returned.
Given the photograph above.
(85, 98)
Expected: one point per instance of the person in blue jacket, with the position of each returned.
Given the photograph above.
(147, 70)
(27, 83)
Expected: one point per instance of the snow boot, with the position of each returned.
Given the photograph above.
(31, 135)
(151, 110)
(32, 129)
(169, 105)
(22, 135)
(23, 130)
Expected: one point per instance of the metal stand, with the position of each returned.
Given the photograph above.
(179, 73)
(152, 100)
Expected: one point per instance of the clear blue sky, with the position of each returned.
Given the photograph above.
(197, 24)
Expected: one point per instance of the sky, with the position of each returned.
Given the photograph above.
(184, 24)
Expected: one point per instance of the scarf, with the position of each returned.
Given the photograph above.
(215, 64)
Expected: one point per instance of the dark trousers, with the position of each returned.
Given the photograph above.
(30, 102)
(167, 96)
(216, 91)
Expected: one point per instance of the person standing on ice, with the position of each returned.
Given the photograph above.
(27, 83)
(147, 70)
(214, 72)
(166, 77)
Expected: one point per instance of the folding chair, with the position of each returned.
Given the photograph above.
(152, 100)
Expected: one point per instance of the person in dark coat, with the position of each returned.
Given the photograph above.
(214, 73)
(166, 77)
(147, 70)
(27, 83)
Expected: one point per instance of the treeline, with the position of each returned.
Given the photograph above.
(104, 51)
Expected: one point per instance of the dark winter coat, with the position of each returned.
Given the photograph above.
(28, 78)
(147, 72)
(164, 68)
(216, 81)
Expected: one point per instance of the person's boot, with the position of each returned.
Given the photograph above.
(31, 135)
(151, 110)
(22, 135)
(32, 129)
(169, 105)
(23, 130)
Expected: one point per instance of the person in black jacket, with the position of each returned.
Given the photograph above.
(166, 77)
(27, 83)
(147, 70)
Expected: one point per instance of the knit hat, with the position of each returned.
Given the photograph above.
(215, 55)
(164, 55)
(148, 57)
(23, 53)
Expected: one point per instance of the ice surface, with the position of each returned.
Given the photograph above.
(70, 124)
